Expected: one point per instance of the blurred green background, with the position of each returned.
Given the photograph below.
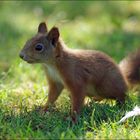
(110, 26)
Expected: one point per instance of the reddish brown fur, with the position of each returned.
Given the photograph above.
(130, 68)
(91, 67)
(82, 72)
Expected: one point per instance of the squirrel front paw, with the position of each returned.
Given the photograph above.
(47, 109)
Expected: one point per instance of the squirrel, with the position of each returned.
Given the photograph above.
(83, 72)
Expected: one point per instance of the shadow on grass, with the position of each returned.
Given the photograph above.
(31, 123)
(53, 123)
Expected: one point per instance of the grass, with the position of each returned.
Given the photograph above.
(112, 27)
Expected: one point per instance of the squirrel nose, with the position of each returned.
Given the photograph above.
(21, 55)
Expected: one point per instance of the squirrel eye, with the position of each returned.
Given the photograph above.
(39, 47)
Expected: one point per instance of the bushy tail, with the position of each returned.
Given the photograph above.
(130, 67)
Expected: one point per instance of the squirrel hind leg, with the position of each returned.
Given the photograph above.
(120, 101)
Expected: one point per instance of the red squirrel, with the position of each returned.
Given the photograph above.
(83, 72)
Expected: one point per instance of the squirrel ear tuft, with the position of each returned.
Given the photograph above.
(53, 35)
(42, 28)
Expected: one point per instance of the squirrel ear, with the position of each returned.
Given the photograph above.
(53, 35)
(42, 28)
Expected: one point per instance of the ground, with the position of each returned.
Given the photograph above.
(111, 27)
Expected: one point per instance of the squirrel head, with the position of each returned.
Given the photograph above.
(41, 47)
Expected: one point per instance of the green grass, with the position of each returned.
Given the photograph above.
(112, 27)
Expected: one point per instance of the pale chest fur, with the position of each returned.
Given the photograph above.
(53, 73)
